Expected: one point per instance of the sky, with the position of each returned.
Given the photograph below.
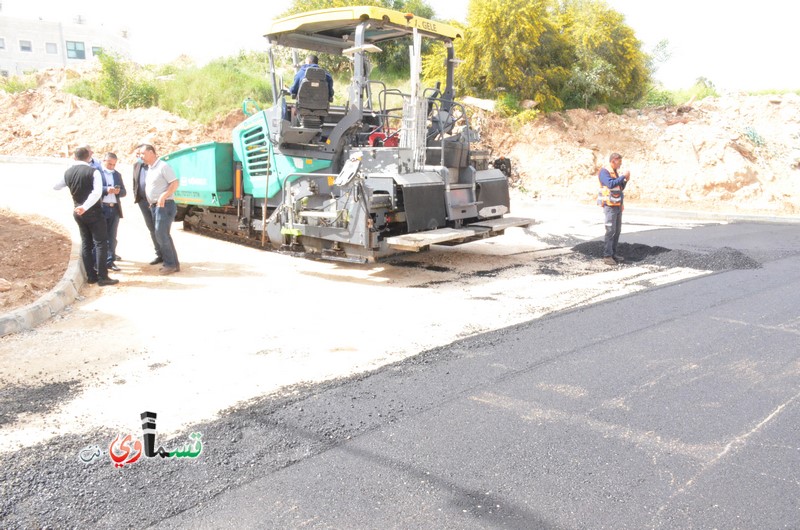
(736, 48)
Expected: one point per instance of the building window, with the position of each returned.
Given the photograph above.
(75, 50)
(25, 46)
(3, 73)
(51, 47)
(96, 50)
(2, 43)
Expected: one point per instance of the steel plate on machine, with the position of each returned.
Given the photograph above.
(498, 225)
(420, 240)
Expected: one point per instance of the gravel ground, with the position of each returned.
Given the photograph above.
(48, 486)
(16, 400)
(722, 259)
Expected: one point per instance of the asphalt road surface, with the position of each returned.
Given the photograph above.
(676, 407)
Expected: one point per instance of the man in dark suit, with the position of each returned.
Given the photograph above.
(86, 186)
(140, 198)
(113, 190)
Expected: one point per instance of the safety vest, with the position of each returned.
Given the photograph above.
(609, 196)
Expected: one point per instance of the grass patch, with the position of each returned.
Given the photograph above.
(202, 94)
(773, 92)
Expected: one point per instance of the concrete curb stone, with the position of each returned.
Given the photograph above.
(50, 304)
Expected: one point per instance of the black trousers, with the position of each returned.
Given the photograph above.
(94, 237)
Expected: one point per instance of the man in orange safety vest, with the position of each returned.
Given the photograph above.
(610, 197)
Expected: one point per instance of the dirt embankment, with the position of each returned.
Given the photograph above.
(734, 153)
(47, 121)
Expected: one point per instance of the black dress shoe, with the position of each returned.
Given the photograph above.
(113, 267)
(117, 258)
(157, 261)
(107, 281)
(91, 280)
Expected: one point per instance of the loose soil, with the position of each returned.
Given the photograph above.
(34, 253)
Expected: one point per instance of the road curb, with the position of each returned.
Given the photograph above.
(50, 304)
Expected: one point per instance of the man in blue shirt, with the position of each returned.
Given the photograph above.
(612, 184)
(312, 61)
(113, 191)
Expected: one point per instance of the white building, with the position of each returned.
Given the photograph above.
(28, 45)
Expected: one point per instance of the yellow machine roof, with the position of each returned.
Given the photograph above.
(331, 30)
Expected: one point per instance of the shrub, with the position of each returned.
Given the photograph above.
(658, 97)
(16, 84)
(508, 106)
(119, 84)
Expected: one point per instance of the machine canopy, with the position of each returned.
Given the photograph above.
(331, 30)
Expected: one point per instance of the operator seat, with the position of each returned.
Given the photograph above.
(312, 99)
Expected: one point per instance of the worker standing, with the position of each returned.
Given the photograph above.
(611, 198)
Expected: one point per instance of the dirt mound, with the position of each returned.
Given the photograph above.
(47, 121)
(734, 153)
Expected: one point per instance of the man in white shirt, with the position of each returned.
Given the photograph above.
(160, 185)
(140, 199)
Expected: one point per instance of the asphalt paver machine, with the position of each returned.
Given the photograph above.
(386, 172)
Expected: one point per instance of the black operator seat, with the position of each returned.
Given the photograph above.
(312, 98)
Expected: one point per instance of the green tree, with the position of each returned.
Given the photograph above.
(661, 53)
(560, 53)
(656, 95)
(394, 57)
(703, 88)
(610, 66)
(517, 47)
(120, 87)
(302, 6)
(16, 84)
